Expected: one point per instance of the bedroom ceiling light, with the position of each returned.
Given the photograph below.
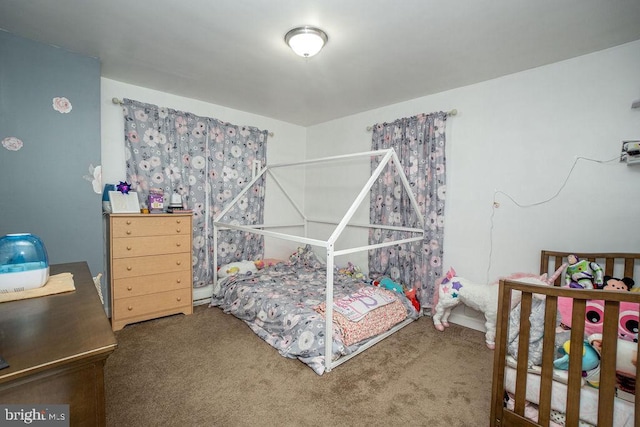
(306, 41)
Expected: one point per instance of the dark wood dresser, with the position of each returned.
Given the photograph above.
(56, 347)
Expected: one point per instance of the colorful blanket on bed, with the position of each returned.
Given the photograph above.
(279, 304)
(355, 306)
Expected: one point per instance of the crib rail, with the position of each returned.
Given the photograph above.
(613, 264)
(499, 414)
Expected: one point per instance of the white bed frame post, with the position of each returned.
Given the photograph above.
(328, 312)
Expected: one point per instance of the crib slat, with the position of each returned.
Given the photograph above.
(548, 355)
(544, 262)
(548, 350)
(523, 353)
(608, 266)
(607, 391)
(575, 361)
(628, 267)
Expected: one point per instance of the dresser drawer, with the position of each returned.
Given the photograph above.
(143, 285)
(148, 225)
(154, 245)
(152, 303)
(156, 264)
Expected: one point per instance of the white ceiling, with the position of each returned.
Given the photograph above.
(380, 52)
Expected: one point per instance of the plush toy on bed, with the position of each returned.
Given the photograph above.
(389, 284)
(453, 290)
(583, 274)
(266, 262)
(352, 270)
(240, 267)
(411, 294)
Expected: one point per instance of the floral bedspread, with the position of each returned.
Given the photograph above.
(280, 303)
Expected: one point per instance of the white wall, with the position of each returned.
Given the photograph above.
(521, 134)
(286, 145)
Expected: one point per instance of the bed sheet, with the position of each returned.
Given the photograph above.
(279, 304)
(623, 410)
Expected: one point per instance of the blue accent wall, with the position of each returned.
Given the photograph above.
(42, 186)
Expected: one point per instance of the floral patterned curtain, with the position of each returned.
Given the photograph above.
(419, 142)
(208, 163)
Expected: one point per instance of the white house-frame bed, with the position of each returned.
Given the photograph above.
(387, 157)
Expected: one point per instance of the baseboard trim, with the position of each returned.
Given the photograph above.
(202, 295)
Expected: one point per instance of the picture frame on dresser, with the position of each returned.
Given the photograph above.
(124, 203)
(150, 271)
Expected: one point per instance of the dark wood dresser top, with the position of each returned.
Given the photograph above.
(42, 333)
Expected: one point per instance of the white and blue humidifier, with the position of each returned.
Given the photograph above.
(23, 262)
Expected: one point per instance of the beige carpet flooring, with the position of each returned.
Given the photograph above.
(210, 369)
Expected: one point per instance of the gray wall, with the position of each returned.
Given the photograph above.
(42, 185)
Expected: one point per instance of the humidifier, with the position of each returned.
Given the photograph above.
(23, 262)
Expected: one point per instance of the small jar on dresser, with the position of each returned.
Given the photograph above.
(149, 266)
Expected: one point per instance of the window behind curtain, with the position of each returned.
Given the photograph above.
(419, 142)
(207, 162)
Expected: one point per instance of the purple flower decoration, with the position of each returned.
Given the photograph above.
(124, 187)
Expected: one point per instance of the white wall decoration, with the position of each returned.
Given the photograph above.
(62, 105)
(12, 143)
(95, 178)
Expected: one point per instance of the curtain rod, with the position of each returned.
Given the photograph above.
(449, 113)
(119, 102)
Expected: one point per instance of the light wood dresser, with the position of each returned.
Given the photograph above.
(150, 266)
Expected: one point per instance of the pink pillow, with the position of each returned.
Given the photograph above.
(594, 316)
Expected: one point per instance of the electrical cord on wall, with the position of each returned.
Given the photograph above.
(496, 205)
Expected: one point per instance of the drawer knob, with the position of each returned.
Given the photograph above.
(178, 221)
(128, 222)
(178, 280)
(178, 262)
(178, 244)
(129, 288)
(179, 299)
(128, 231)
(177, 230)
(128, 248)
(129, 268)
(129, 308)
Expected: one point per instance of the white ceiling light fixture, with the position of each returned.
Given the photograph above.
(306, 41)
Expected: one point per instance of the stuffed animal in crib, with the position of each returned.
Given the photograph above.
(594, 317)
(615, 284)
(627, 335)
(590, 361)
(626, 360)
(583, 274)
(454, 290)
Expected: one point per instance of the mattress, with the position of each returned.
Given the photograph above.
(623, 410)
(284, 305)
